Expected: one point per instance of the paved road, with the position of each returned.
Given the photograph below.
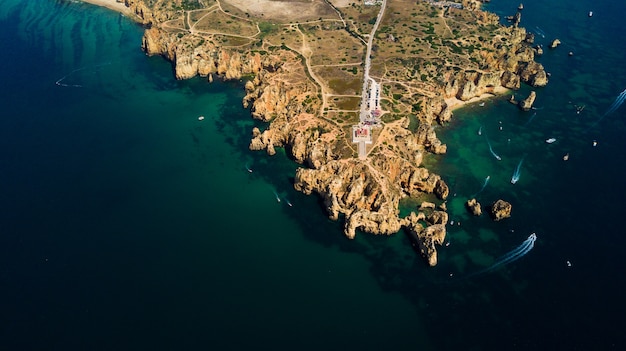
(362, 153)
(366, 73)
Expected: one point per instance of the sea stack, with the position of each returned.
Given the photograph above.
(474, 207)
(527, 103)
(500, 210)
(555, 43)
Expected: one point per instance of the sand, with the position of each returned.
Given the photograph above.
(455, 103)
(113, 5)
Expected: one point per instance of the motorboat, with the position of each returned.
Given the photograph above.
(550, 141)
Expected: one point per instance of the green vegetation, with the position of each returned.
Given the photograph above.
(191, 5)
(266, 28)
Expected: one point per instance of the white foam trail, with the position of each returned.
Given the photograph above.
(60, 80)
(619, 100)
(530, 119)
(511, 256)
(516, 254)
(248, 169)
(617, 103)
(493, 152)
(540, 32)
(480, 130)
(484, 186)
(277, 197)
(517, 172)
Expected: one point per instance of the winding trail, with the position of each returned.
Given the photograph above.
(306, 52)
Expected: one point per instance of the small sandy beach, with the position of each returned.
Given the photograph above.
(455, 103)
(112, 5)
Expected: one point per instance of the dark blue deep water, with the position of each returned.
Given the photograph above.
(128, 224)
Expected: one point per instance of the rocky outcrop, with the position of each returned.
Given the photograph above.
(474, 207)
(527, 103)
(426, 239)
(437, 217)
(425, 135)
(555, 43)
(368, 200)
(520, 61)
(194, 56)
(500, 210)
(427, 205)
(283, 93)
(511, 80)
(507, 67)
(534, 74)
(514, 19)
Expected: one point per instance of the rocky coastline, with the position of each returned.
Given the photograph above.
(285, 91)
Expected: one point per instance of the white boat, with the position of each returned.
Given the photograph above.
(200, 118)
(550, 141)
(566, 157)
(590, 13)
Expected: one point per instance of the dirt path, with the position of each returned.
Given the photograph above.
(306, 53)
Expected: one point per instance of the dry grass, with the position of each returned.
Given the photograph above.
(219, 22)
(284, 11)
(340, 80)
(331, 44)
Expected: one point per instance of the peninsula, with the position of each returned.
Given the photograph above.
(352, 89)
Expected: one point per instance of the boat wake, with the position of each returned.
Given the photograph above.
(511, 256)
(60, 83)
(484, 186)
(540, 32)
(619, 100)
(530, 119)
(517, 172)
(491, 150)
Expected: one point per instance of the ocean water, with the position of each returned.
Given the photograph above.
(127, 223)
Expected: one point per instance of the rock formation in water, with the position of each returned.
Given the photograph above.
(474, 207)
(555, 43)
(426, 239)
(500, 210)
(527, 103)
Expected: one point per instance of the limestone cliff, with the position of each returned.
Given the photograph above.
(286, 91)
(507, 67)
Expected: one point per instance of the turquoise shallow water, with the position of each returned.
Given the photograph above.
(126, 223)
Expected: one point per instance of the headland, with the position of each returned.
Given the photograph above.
(353, 90)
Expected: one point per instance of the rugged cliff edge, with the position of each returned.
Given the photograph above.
(305, 74)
